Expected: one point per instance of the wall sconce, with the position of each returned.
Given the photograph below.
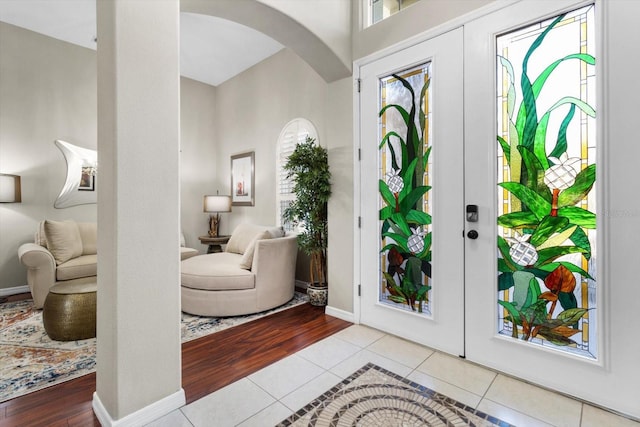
(10, 191)
(216, 204)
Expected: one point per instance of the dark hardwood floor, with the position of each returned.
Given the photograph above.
(208, 364)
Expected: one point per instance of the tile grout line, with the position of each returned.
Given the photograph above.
(357, 345)
(418, 365)
(484, 397)
(324, 371)
(519, 412)
(186, 417)
(276, 400)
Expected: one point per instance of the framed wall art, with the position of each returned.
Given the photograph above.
(87, 178)
(243, 179)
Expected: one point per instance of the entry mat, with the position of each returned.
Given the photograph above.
(373, 396)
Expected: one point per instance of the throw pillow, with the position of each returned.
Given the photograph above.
(40, 238)
(63, 240)
(276, 232)
(89, 237)
(242, 236)
(247, 257)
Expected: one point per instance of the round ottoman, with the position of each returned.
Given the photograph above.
(69, 311)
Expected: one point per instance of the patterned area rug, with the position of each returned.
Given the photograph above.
(374, 396)
(30, 360)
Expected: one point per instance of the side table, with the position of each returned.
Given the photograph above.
(214, 242)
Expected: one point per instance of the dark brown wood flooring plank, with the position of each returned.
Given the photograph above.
(208, 364)
(51, 405)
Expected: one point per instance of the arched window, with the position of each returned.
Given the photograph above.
(294, 132)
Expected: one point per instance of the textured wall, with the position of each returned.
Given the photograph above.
(341, 217)
(330, 20)
(47, 92)
(252, 108)
(197, 157)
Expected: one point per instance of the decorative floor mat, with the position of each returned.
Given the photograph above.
(373, 396)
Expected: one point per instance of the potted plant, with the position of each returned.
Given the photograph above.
(308, 166)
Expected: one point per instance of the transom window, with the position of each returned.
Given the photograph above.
(382, 9)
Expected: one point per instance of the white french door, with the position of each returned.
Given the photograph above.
(548, 326)
(414, 288)
(490, 250)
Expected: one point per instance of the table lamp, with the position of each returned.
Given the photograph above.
(215, 205)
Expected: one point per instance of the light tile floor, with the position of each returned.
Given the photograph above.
(277, 391)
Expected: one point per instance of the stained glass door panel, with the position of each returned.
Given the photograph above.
(411, 193)
(546, 174)
(404, 182)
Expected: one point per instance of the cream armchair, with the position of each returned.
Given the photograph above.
(70, 255)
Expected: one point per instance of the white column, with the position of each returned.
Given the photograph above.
(138, 351)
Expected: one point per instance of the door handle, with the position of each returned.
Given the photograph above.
(472, 234)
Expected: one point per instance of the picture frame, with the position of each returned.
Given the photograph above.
(243, 179)
(87, 178)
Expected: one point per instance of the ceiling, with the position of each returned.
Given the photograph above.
(212, 50)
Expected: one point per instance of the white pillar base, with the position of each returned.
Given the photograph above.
(142, 416)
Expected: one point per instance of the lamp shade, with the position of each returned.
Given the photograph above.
(10, 189)
(217, 204)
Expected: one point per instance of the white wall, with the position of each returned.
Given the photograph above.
(47, 92)
(330, 20)
(317, 32)
(197, 157)
(339, 116)
(252, 108)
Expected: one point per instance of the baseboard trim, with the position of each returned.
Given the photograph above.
(301, 284)
(340, 314)
(142, 416)
(13, 291)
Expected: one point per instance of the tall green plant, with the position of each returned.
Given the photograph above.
(308, 166)
(403, 220)
(545, 189)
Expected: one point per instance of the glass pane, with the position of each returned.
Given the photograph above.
(404, 183)
(382, 9)
(286, 225)
(546, 173)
